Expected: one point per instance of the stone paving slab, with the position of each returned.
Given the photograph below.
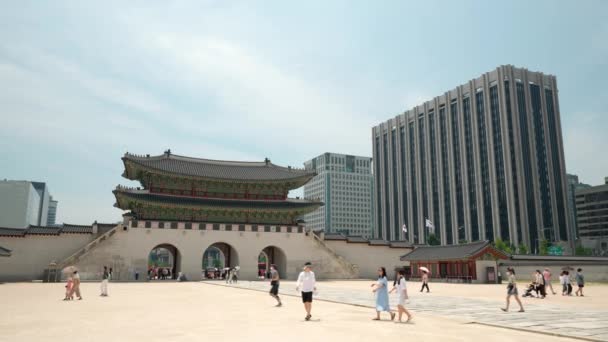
(540, 316)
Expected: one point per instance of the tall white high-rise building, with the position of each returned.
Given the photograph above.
(23, 203)
(345, 184)
(52, 215)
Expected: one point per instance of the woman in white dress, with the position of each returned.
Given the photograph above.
(402, 292)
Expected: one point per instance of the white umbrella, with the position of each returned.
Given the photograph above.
(69, 270)
(422, 268)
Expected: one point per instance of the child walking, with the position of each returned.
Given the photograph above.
(69, 295)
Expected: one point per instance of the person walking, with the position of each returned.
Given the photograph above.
(380, 288)
(307, 285)
(568, 283)
(425, 281)
(512, 290)
(540, 285)
(402, 292)
(580, 282)
(274, 284)
(104, 282)
(547, 276)
(562, 281)
(76, 285)
(69, 295)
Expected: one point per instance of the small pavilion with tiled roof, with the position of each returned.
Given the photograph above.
(469, 262)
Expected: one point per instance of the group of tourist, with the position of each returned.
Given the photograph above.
(566, 282)
(541, 281)
(380, 288)
(306, 285)
(72, 286)
(159, 273)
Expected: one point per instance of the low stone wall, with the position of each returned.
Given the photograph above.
(31, 254)
(369, 257)
(127, 252)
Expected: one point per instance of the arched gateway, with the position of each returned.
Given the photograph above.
(163, 262)
(187, 194)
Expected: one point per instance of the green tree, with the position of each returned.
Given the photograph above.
(523, 249)
(582, 251)
(462, 241)
(503, 246)
(433, 240)
(544, 247)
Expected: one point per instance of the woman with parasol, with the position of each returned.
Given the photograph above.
(425, 279)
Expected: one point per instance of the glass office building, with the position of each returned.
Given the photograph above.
(482, 161)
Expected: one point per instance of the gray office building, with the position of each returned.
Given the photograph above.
(592, 217)
(573, 186)
(345, 184)
(52, 214)
(482, 161)
(23, 203)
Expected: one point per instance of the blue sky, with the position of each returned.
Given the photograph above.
(82, 82)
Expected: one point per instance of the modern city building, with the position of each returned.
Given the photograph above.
(52, 214)
(345, 184)
(482, 161)
(45, 198)
(592, 217)
(23, 203)
(573, 185)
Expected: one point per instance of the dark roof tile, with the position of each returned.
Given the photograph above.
(356, 239)
(219, 169)
(145, 195)
(12, 231)
(72, 228)
(331, 236)
(378, 242)
(445, 252)
(43, 230)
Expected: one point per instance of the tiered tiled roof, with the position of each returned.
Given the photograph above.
(453, 252)
(146, 196)
(216, 169)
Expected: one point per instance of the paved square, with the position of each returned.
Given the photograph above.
(197, 311)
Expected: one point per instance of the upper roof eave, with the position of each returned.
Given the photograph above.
(259, 172)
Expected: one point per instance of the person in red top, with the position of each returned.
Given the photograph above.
(69, 295)
(547, 276)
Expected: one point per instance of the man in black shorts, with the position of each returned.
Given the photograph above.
(307, 285)
(274, 284)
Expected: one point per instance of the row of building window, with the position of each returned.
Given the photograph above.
(490, 151)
